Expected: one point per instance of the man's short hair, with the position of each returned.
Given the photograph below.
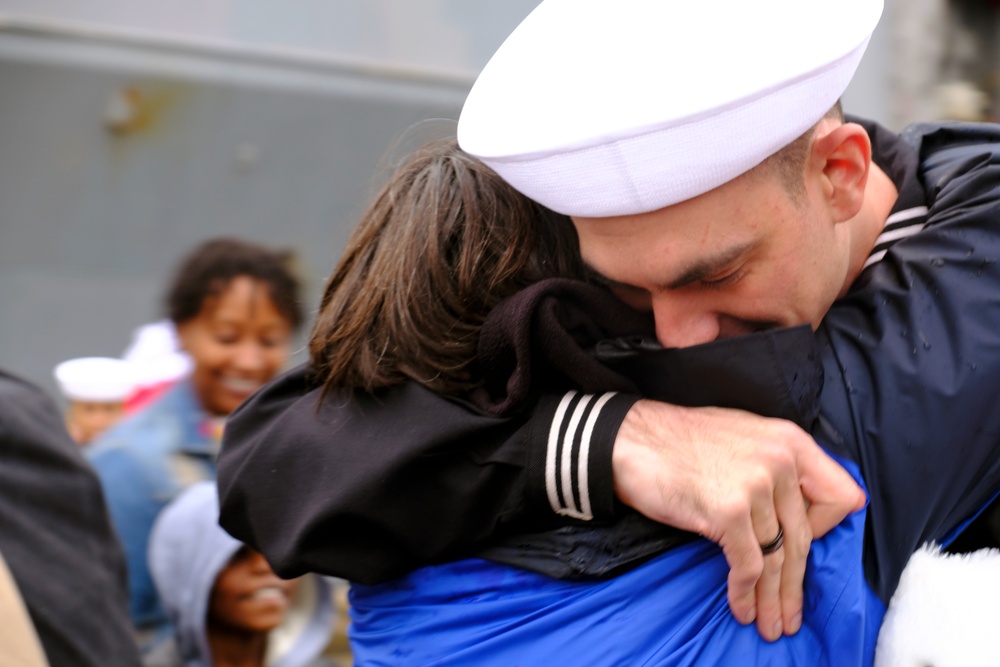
(789, 163)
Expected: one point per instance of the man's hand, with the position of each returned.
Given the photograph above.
(734, 477)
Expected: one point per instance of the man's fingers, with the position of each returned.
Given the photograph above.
(755, 578)
(830, 491)
(732, 477)
(769, 620)
(770, 535)
(745, 565)
(797, 534)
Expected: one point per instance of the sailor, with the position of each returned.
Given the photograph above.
(714, 183)
(96, 388)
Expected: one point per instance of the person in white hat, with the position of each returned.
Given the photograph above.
(700, 150)
(96, 388)
(469, 612)
(726, 198)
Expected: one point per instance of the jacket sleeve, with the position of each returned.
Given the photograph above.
(368, 488)
(913, 361)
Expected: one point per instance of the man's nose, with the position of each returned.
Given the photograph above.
(680, 323)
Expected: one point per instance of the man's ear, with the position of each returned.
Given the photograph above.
(841, 158)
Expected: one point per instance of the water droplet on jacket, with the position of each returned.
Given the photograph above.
(937, 261)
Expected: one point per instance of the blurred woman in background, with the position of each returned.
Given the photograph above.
(236, 308)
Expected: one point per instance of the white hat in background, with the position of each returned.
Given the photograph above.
(155, 354)
(599, 108)
(95, 379)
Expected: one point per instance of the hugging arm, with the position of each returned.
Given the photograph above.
(371, 487)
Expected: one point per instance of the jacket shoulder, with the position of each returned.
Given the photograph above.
(955, 153)
(930, 137)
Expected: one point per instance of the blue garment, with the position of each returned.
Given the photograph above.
(672, 610)
(143, 463)
(187, 551)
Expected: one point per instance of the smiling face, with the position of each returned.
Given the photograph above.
(743, 257)
(238, 341)
(248, 596)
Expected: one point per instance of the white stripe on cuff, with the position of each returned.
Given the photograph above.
(559, 466)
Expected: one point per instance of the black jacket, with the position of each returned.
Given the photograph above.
(368, 487)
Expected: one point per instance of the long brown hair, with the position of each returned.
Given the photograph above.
(444, 241)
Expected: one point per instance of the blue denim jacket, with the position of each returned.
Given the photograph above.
(143, 463)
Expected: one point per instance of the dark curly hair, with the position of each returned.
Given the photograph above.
(209, 269)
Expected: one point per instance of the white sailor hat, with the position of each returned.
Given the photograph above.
(96, 379)
(600, 108)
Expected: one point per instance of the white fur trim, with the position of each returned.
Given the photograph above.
(944, 612)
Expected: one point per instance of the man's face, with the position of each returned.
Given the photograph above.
(743, 257)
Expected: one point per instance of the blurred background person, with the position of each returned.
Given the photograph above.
(235, 306)
(22, 647)
(96, 389)
(57, 541)
(226, 605)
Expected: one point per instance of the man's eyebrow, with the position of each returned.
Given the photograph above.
(601, 279)
(709, 266)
